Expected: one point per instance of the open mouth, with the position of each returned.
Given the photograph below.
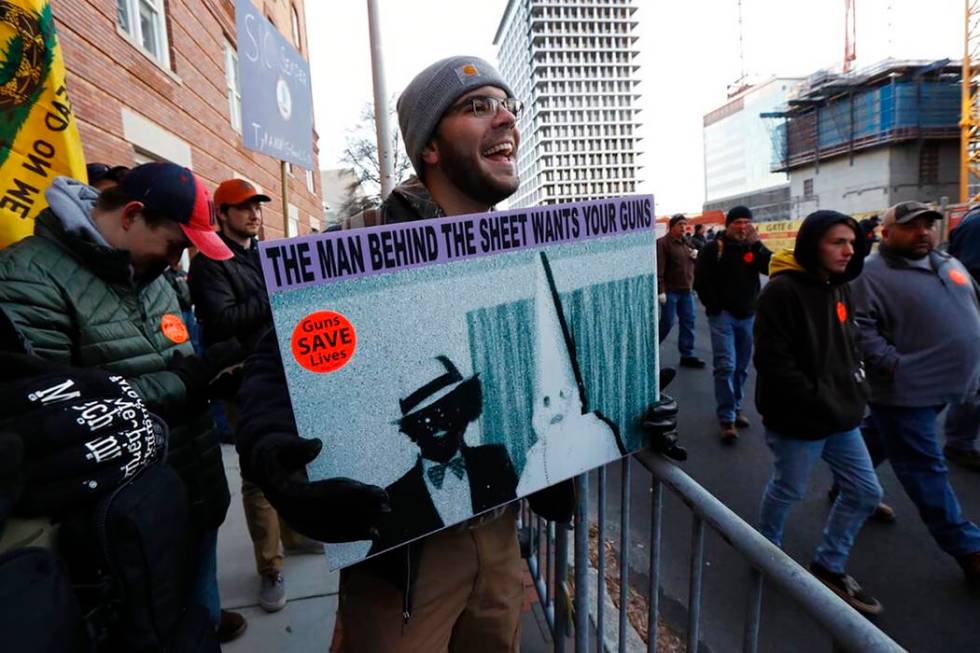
(502, 152)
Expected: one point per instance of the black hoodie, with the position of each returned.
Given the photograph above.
(810, 376)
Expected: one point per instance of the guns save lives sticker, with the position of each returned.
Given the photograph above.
(324, 342)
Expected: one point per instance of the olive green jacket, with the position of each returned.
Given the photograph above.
(74, 300)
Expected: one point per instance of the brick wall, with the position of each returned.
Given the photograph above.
(107, 73)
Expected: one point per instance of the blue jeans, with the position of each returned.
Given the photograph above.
(860, 491)
(963, 425)
(204, 584)
(731, 346)
(910, 441)
(681, 303)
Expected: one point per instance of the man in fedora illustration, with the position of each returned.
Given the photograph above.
(451, 481)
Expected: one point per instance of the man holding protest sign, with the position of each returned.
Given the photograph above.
(459, 589)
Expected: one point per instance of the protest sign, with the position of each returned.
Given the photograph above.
(277, 102)
(463, 362)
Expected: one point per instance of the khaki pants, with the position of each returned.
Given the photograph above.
(264, 526)
(468, 597)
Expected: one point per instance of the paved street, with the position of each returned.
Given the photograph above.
(927, 605)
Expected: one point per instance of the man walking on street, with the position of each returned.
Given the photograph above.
(918, 316)
(811, 392)
(675, 276)
(726, 279)
(230, 300)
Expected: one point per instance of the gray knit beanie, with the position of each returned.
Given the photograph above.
(434, 90)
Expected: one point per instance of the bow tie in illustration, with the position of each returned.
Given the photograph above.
(437, 473)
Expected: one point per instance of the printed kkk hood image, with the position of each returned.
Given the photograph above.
(461, 385)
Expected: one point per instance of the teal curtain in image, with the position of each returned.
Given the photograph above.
(615, 343)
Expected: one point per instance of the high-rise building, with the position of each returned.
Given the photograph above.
(573, 62)
(738, 152)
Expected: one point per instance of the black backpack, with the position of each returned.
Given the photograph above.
(38, 611)
(130, 561)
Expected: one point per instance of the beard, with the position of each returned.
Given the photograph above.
(467, 175)
(237, 234)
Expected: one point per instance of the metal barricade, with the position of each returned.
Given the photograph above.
(548, 564)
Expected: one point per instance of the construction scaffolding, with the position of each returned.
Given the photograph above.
(970, 111)
(834, 115)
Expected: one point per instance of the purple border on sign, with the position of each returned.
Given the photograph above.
(341, 255)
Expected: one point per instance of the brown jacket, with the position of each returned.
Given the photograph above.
(675, 267)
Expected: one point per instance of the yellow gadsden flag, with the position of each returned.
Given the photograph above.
(38, 134)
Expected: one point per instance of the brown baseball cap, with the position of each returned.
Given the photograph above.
(237, 191)
(906, 212)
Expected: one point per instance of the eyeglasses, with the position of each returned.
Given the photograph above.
(484, 106)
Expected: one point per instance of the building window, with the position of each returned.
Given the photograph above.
(141, 156)
(234, 87)
(310, 183)
(292, 228)
(145, 22)
(929, 163)
(808, 189)
(294, 16)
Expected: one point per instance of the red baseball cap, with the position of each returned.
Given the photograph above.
(237, 191)
(175, 192)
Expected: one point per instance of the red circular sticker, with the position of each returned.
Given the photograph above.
(174, 328)
(749, 257)
(324, 341)
(841, 312)
(958, 277)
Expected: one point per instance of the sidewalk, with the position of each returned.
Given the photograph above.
(306, 623)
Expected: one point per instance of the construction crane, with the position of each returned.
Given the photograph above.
(970, 105)
(850, 36)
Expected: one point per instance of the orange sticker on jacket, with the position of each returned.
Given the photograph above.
(841, 312)
(958, 277)
(324, 342)
(174, 328)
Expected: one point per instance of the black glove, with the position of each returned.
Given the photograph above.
(660, 427)
(660, 422)
(83, 432)
(199, 372)
(330, 510)
(227, 383)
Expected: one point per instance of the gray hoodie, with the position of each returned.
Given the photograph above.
(72, 201)
(919, 330)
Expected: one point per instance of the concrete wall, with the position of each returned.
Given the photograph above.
(878, 178)
(905, 184)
